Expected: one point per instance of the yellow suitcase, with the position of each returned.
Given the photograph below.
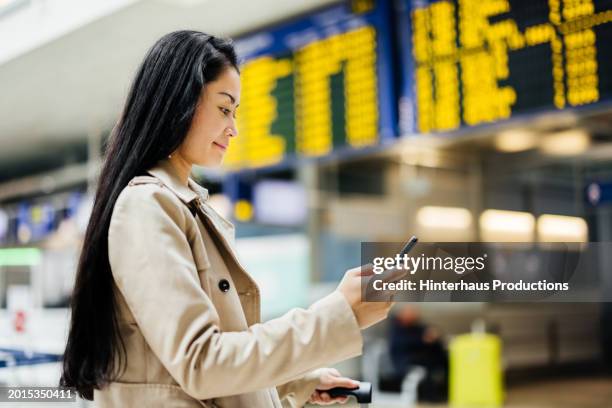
(475, 372)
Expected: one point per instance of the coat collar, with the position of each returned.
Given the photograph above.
(165, 171)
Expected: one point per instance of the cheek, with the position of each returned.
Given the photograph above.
(198, 145)
(204, 130)
(212, 119)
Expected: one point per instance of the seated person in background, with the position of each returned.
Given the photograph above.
(413, 343)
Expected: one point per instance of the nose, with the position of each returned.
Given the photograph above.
(233, 129)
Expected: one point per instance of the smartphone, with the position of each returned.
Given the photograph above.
(409, 245)
(407, 248)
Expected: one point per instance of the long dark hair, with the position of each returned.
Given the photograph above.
(155, 120)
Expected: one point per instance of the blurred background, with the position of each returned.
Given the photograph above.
(364, 120)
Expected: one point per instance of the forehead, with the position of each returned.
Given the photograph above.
(228, 82)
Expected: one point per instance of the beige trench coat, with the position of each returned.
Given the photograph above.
(189, 313)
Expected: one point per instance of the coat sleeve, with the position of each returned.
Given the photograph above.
(295, 394)
(153, 267)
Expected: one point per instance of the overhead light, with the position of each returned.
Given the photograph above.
(506, 226)
(568, 142)
(444, 217)
(562, 228)
(515, 140)
(416, 155)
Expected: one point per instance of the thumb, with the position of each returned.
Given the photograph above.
(344, 382)
(366, 270)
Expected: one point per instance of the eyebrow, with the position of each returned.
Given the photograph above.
(228, 95)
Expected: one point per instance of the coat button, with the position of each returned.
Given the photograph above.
(224, 285)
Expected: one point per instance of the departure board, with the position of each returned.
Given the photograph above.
(471, 62)
(316, 85)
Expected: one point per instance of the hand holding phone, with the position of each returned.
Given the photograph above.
(394, 274)
(369, 312)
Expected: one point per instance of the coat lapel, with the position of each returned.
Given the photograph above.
(223, 236)
(222, 231)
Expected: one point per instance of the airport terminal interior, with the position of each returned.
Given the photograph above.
(360, 121)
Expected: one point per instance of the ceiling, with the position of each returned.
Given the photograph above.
(73, 87)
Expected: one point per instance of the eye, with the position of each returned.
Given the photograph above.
(225, 111)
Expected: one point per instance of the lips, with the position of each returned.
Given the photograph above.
(219, 145)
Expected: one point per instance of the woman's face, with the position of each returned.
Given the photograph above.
(214, 121)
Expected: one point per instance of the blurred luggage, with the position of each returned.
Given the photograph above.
(475, 371)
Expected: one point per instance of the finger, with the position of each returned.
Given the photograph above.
(341, 400)
(392, 275)
(338, 400)
(317, 399)
(366, 270)
(345, 382)
(325, 397)
(335, 372)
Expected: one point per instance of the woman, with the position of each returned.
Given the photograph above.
(163, 314)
